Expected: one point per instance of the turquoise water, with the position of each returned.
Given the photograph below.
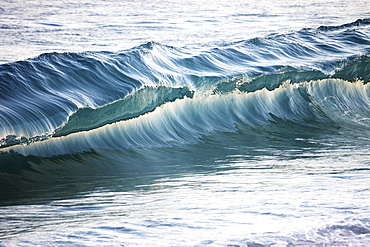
(184, 123)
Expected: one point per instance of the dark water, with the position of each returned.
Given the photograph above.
(254, 141)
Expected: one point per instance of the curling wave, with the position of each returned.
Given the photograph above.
(85, 119)
(328, 105)
(160, 95)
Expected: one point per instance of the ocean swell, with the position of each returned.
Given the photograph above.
(157, 95)
(326, 105)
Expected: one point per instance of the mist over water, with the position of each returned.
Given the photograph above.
(184, 123)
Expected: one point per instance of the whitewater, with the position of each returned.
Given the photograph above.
(184, 123)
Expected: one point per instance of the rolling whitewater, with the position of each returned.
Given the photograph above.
(255, 141)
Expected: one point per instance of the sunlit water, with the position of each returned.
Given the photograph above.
(200, 135)
(29, 28)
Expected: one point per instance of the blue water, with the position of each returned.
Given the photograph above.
(184, 123)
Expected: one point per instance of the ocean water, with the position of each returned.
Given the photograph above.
(185, 123)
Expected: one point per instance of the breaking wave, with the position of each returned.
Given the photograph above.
(156, 95)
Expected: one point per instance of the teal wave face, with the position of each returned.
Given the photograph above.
(328, 105)
(57, 94)
(135, 105)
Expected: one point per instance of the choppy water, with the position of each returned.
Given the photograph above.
(184, 123)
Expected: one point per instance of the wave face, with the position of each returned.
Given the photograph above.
(56, 94)
(155, 96)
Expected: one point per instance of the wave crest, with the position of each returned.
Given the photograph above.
(59, 94)
(325, 105)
